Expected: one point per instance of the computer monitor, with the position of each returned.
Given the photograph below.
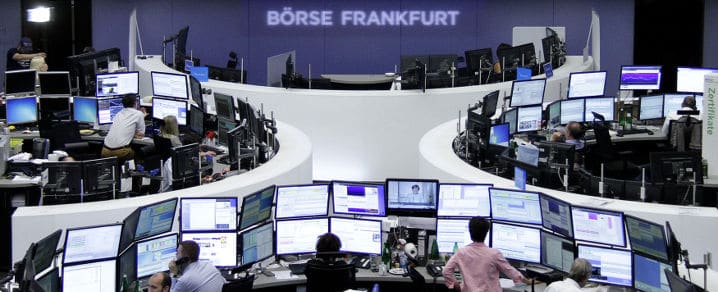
(557, 252)
(529, 118)
(55, 83)
(692, 79)
(223, 127)
(356, 198)
(195, 88)
(516, 242)
(50, 281)
(257, 244)
(94, 276)
(639, 77)
(155, 219)
(527, 92)
(490, 101)
(358, 236)
(699, 102)
(162, 107)
(117, 84)
(170, 85)
(604, 106)
(515, 206)
(454, 231)
(647, 238)
(84, 109)
(553, 114)
(464, 200)
(208, 214)
(556, 215)
(556, 155)
(599, 226)
(572, 110)
(651, 107)
(586, 84)
(678, 284)
(299, 236)
(101, 176)
(91, 243)
(220, 248)
(672, 102)
(63, 178)
(675, 167)
(196, 120)
(127, 266)
(21, 110)
(224, 105)
(83, 68)
(412, 197)
(185, 162)
(302, 201)
(499, 135)
(154, 254)
(107, 108)
(20, 82)
(257, 207)
(510, 118)
(54, 108)
(649, 275)
(45, 251)
(610, 266)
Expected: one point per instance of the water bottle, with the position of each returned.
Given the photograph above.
(456, 247)
(402, 260)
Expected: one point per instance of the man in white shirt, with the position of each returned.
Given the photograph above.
(191, 275)
(128, 123)
(689, 104)
(577, 278)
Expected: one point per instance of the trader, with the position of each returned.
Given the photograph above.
(577, 278)
(128, 123)
(189, 274)
(160, 282)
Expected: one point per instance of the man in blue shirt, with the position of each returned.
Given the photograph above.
(189, 274)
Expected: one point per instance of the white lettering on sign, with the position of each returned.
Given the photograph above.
(360, 18)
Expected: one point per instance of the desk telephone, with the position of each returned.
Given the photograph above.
(362, 262)
(434, 270)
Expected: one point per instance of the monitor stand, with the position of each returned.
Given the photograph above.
(264, 271)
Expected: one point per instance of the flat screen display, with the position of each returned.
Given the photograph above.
(358, 236)
(517, 242)
(651, 107)
(302, 201)
(220, 248)
(116, 84)
(84, 109)
(54, 83)
(154, 254)
(170, 85)
(529, 118)
(96, 276)
(107, 108)
(610, 266)
(464, 200)
(672, 103)
(692, 79)
(640, 78)
(358, 198)
(155, 219)
(257, 243)
(599, 226)
(20, 82)
(450, 231)
(647, 238)
(162, 107)
(92, 243)
(409, 196)
(21, 110)
(515, 206)
(257, 207)
(556, 215)
(527, 92)
(499, 135)
(208, 214)
(649, 275)
(510, 118)
(586, 84)
(557, 252)
(572, 111)
(299, 236)
(600, 105)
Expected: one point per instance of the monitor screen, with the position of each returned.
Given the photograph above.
(170, 85)
(115, 84)
(96, 276)
(155, 219)
(554, 114)
(556, 215)
(257, 243)
(499, 135)
(127, 265)
(91, 243)
(257, 207)
(600, 105)
(510, 118)
(45, 251)
(358, 198)
(649, 275)
(450, 231)
(651, 107)
(406, 196)
(691, 79)
(153, 255)
(84, 109)
(586, 84)
(20, 81)
(672, 103)
(557, 252)
(527, 92)
(640, 78)
(647, 237)
(218, 248)
(50, 281)
(196, 120)
(54, 107)
(358, 236)
(515, 206)
(54, 83)
(21, 110)
(572, 111)
(699, 102)
(208, 214)
(107, 108)
(302, 201)
(464, 200)
(600, 226)
(529, 118)
(300, 236)
(162, 107)
(610, 266)
(517, 242)
(224, 126)
(224, 104)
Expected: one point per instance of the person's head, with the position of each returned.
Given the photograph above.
(188, 249)
(580, 271)
(160, 282)
(68, 159)
(25, 45)
(690, 102)
(415, 189)
(38, 63)
(328, 243)
(574, 131)
(169, 127)
(478, 228)
(129, 100)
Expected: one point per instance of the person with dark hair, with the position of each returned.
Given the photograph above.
(688, 104)
(328, 246)
(189, 274)
(20, 56)
(128, 123)
(480, 265)
(160, 282)
(329, 271)
(577, 278)
(574, 134)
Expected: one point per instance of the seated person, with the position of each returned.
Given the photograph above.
(129, 123)
(170, 130)
(559, 135)
(688, 104)
(325, 272)
(190, 274)
(574, 135)
(577, 278)
(160, 282)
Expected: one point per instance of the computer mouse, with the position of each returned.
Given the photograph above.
(27, 132)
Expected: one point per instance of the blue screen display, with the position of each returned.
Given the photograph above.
(649, 275)
(84, 110)
(156, 219)
(21, 110)
(499, 135)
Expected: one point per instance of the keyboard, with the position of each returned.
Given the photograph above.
(634, 131)
(205, 148)
(298, 269)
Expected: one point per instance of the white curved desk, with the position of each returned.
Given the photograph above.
(365, 135)
(291, 165)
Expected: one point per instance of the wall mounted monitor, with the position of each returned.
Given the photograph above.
(572, 110)
(638, 77)
(515, 206)
(154, 254)
(299, 236)
(170, 85)
(20, 82)
(647, 238)
(529, 118)
(84, 109)
(107, 108)
(604, 106)
(162, 107)
(208, 214)
(499, 135)
(672, 103)
(412, 197)
(91, 243)
(556, 215)
(220, 248)
(599, 226)
(464, 200)
(155, 219)
(257, 243)
(557, 252)
(256, 207)
(356, 198)
(450, 231)
(527, 92)
(358, 236)
(691, 79)
(21, 110)
(651, 107)
(116, 84)
(610, 266)
(302, 201)
(516, 242)
(95, 276)
(509, 117)
(224, 105)
(55, 83)
(649, 275)
(586, 84)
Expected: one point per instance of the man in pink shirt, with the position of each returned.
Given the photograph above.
(478, 263)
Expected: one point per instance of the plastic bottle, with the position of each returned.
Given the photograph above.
(125, 285)
(456, 247)
(386, 255)
(402, 260)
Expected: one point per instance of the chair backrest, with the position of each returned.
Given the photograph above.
(60, 133)
(337, 276)
(163, 147)
(603, 141)
(686, 135)
(417, 280)
(239, 285)
(40, 148)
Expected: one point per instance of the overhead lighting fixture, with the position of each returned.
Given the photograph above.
(40, 14)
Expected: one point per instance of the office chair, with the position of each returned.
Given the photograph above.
(163, 147)
(65, 135)
(686, 134)
(337, 276)
(239, 285)
(418, 282)
(614, 162)
(40, 148)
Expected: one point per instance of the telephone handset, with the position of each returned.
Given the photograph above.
(434, 270)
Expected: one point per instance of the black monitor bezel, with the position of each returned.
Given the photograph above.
(583, 112)
(578, 247)
(276, 201)
(687, 67)
(381, 246)
(585, 107)
(570, 215)
(136, 246)
(186, 89)
(568, 89)
(139, 213)
(233, 109)
(548, 112)
(490, 185)
(513, 86)
(240, 242)
(501, 222)
(538, 195)
(183, 199)
(431, 213)
(623, 234)
(240, 225)
(52, 237)
(137, 73)
(28, 72)
(497, 146)
(640, 105)
(190, 118)
(620, 76)
(171, 100)
(64, 246)
(544, 233)
(642, 253)
(97, 106)
(334, 210)
(90, 98)
(276, 230)
(37, 109)
(515, 121)
(48, 73)
(539, 121)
